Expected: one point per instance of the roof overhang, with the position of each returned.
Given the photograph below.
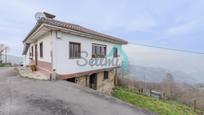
(45, 24)
(85, 73)
(44, 28)
(82, 34)
(25, 49)
(36, 33)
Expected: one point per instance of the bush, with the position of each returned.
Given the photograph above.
(33, 67)
(5, 65)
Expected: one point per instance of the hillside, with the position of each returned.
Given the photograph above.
(13, 59)
(151, 74)
(152, 104)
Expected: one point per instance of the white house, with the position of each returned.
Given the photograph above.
(71, 52)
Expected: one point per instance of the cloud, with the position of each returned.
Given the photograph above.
(17, 7)
(140, 24)
(146, 22)
(187, 28)
(112, 15)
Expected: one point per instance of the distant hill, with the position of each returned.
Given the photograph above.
(150, 74)
(154, 63)
(13, 59)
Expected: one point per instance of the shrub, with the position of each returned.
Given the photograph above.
(33, 67)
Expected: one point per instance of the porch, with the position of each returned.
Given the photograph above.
(28, 73)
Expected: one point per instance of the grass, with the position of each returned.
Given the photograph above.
(5, 65)
(155, 105)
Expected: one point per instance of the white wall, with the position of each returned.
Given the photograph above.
(60, 51)
(47, 44)
(26, 59)
(61, 61)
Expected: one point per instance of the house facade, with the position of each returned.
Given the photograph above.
(71, 52)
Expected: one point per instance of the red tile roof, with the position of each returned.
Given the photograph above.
(69, 26)
(75, 27)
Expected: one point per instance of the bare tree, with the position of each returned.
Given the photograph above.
(3, 53)
(168, 85)
(180, 92)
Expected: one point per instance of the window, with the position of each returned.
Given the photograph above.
(98, 51)
(74, 50)
(115, 52)
(105, 75)
(31, 53)
(41, 49)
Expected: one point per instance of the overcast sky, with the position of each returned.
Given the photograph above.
(175, 24)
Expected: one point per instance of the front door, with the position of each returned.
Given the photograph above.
(36, 54)
(93, 81)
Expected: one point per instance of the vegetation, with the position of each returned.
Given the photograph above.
(169, 88)
(5, 65)
(33, 67)
(155, 105)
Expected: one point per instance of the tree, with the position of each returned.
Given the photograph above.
(168, 85)
(3, 52)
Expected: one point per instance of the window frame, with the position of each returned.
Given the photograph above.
(41, 49)
(94, 50)
(105, 75)
(75, 43)
(31, 53)
(115, 52)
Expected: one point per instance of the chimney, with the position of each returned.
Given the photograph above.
(48, 15)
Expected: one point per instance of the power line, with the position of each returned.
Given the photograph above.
(187, 51)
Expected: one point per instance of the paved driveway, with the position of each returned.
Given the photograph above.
(22, 96)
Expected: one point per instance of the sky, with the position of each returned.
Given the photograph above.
(174, 24)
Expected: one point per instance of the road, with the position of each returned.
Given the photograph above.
(22, 96)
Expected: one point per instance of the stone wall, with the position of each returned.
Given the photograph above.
(82, 81)
(104, 86)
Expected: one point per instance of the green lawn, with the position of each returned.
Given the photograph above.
(152, 104)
